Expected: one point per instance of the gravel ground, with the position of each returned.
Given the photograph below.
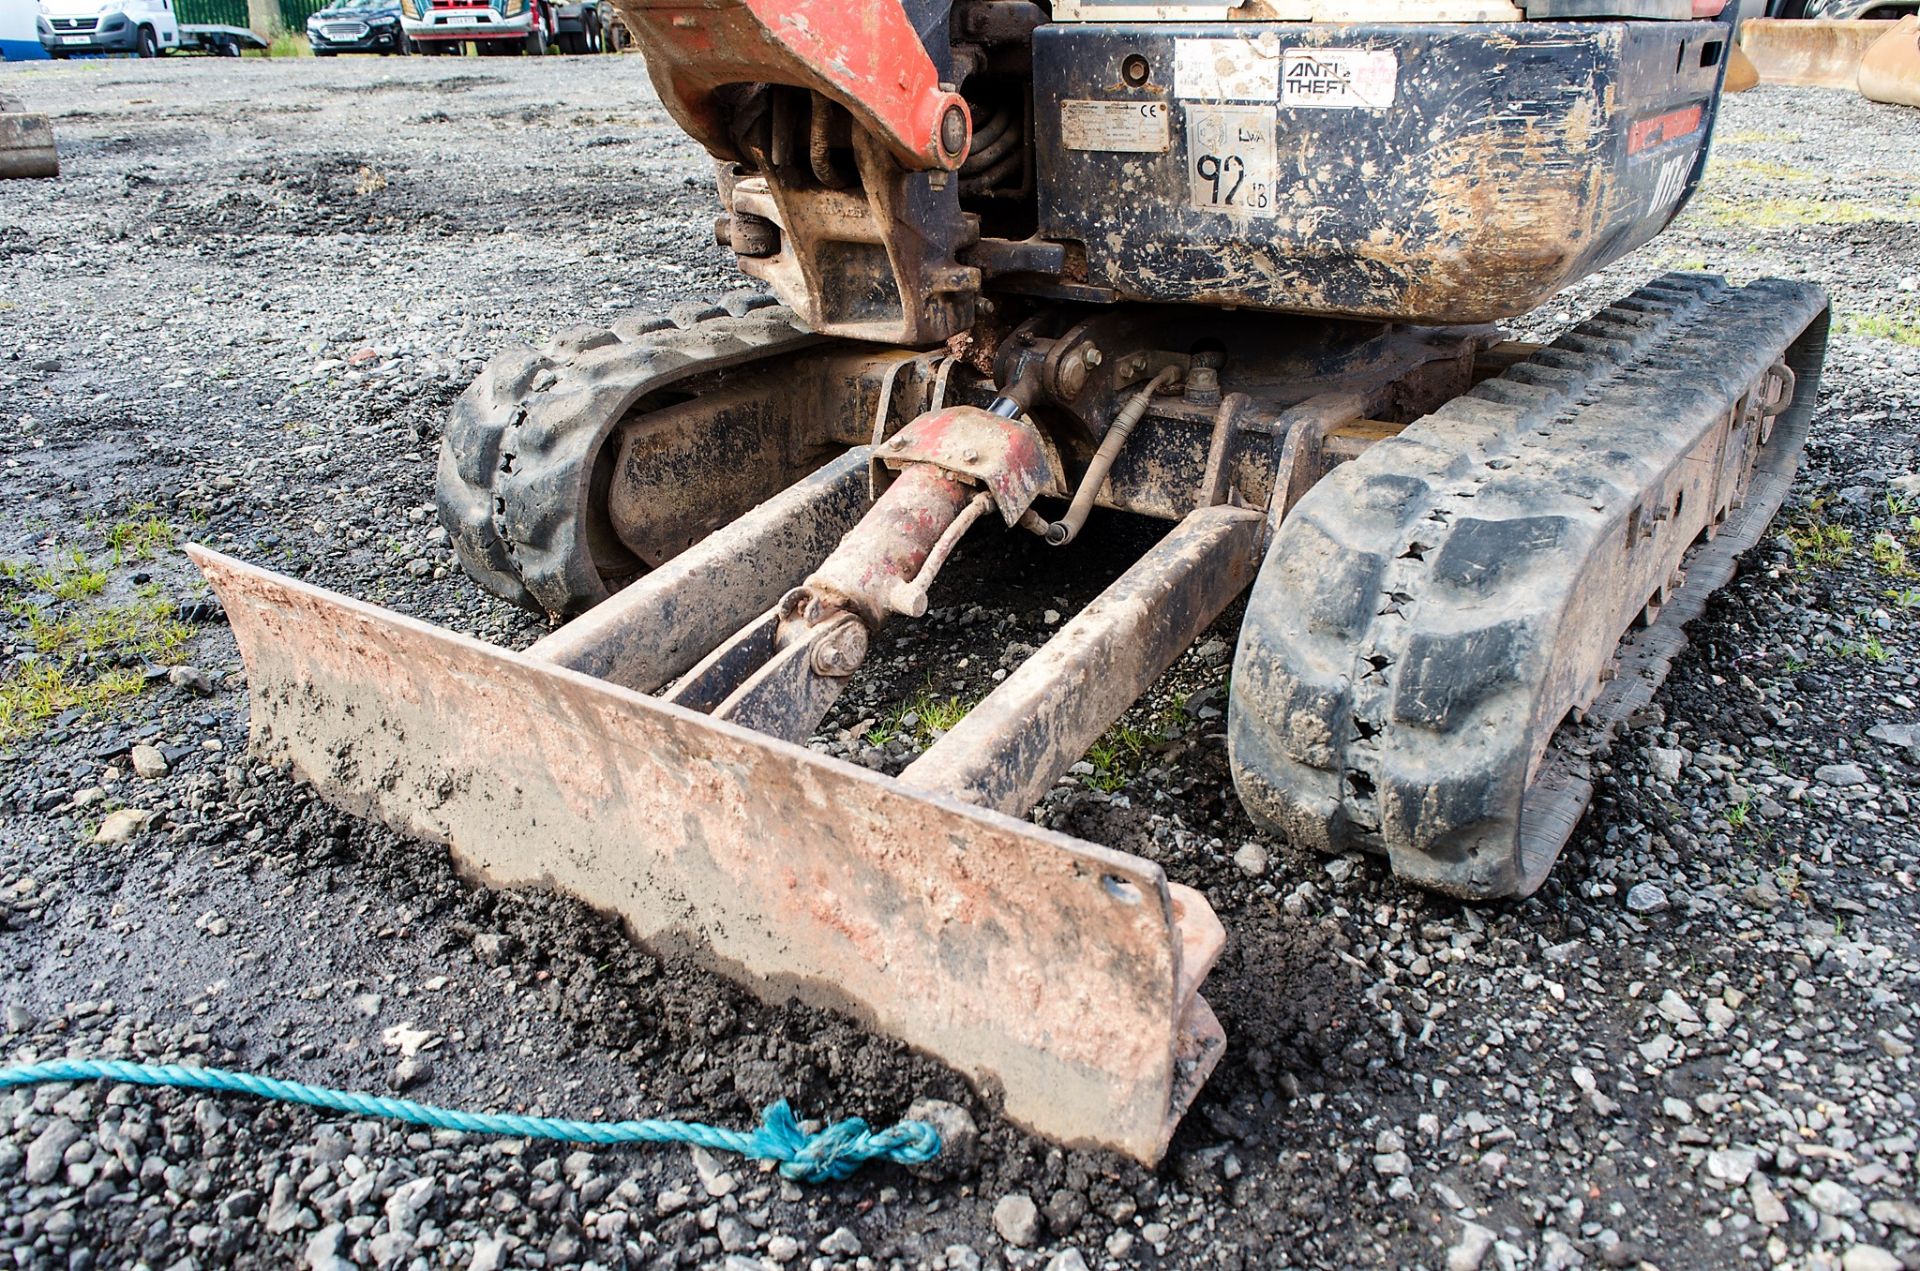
(240, 316)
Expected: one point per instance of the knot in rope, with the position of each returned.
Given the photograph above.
(840, 1149)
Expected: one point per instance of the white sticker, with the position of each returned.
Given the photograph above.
(1338, 79)
(1230, 163)
(1133, 127)
(1245, 70)
(1672, 182)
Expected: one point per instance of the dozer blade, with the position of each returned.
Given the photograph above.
(1062, 971)
(1890, 72)
(1808, 53)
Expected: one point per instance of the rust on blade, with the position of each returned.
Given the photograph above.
(1059, 970)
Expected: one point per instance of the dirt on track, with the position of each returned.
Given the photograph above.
(240, 316)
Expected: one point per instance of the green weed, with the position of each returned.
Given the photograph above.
(1890, 556)
(37, 692)
(1817, 544)
(78, 639)
(1880, 326)
(931, 716)
(1871, 649)
(286, 44)
(138, 539)
(1116, 756)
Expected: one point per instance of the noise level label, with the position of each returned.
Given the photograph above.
(1230, 159)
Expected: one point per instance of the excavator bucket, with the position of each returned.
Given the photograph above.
(1809, 54)
(1063, 973)
(1890, 72)
(1741, 74)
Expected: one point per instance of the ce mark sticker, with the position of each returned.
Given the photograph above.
(1136, 127)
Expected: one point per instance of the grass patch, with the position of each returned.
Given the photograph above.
(69, 578)
(1791, 212)
(1880, 326)
(1890, 556)
(1122, 749)
(1117, 756)
(80, 642)
(1818, 545)
(1870, 649)
(41, 691)
(923, 718)
(138, 539)
(1772, 171)
(286, 44)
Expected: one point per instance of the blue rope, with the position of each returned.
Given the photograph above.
(832, 1154)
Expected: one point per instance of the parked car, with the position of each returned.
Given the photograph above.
(1878, 10)
(145, 27)
(358, 26)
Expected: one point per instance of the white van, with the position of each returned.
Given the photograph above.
(146, 27)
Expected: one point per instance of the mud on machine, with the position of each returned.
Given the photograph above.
(1229, 266)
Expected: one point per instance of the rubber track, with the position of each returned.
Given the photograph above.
(1405, 658)
(514, 483)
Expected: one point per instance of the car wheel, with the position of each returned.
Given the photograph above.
(537, 41)
(227, 48)
(592, 37)
(402, 46)
(149, 46)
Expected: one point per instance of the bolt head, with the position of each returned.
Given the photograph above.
(953, 130)
(1092, 357)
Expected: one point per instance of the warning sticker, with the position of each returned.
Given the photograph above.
(1651, 133)
(1334, 79)
(1133, 127)
(1230, 159)
(1245, 70)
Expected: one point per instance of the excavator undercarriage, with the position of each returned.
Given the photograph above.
(1235, 276)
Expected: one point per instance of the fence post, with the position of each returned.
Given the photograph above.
(264, 17)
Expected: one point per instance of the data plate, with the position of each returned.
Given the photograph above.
(1129, 127)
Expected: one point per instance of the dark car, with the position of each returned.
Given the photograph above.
(358, 26)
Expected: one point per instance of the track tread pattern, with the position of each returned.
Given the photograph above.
(1403, 660)
(514, 482)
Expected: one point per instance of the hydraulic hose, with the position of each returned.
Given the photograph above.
(1062, 531)
(820, 144)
